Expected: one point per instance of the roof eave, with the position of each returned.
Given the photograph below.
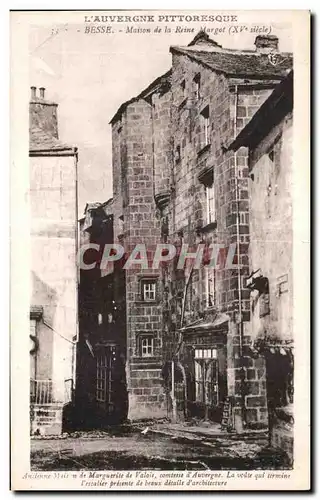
(280, 102)
(63, 151)
(151, 88)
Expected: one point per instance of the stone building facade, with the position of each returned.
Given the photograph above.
(175, 181)
(53, 302)
(101, 397)
(268, 137)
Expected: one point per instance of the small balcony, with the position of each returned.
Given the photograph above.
(41, 392)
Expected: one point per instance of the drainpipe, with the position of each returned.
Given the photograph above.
(77, 247)
(172, 202)
(239, 424)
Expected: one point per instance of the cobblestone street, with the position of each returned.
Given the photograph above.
(158, 448)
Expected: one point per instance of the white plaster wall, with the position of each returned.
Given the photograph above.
(54, 270)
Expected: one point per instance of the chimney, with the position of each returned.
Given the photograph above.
(266, 43)
(42, 113)
(202, 38)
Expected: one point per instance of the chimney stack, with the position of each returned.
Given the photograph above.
(42, 113)
(266, 43)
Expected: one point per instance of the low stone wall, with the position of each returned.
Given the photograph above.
(46, 419)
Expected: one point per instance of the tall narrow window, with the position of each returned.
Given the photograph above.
(206, 125)
(206, 376)
(149, 290)
(102, 378)
(146, 346)
(210, 286)
(196, 82)
(178, 154)
(210, 204)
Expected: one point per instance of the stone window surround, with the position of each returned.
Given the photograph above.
(205, 118)
(206, 178)
(142, 347)
(197, 85)
(148, 280)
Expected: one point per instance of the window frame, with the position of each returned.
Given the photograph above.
(101, 378)
(148, 281)
(210, 274)
(205, 114)
(149, 347)
(211, 215)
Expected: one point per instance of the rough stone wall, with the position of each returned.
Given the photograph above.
(162, 142)
(43, 115)
(227, 104)
(140, 225)
(169, 139)
(271, 239)
(54, 272)
(270, 188)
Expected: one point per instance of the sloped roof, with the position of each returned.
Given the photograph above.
(95, 205)
(158, 82)
(239, 63)
(236, 63)
(41, 141)
(272, 111)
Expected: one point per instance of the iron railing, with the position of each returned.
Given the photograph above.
(41, 392)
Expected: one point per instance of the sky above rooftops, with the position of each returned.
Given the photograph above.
(91, 75)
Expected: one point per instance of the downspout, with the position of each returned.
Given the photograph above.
(77, 245)
(240, 318)
(172, 201)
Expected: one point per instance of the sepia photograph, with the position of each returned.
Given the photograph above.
(161, 193)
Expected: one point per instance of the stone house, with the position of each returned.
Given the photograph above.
(175, 181)
(101, 396)
(53, 233)
(268, 137)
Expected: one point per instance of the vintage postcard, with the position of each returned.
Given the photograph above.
(160, 250)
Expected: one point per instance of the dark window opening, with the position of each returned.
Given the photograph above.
(178, 154)
(206, 126)
(197, 82)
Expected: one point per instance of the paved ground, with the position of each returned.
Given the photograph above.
(158, 449)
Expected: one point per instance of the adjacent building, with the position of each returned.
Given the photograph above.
(175, 180)
(268, 137)
(53, 301)
(101, 396)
